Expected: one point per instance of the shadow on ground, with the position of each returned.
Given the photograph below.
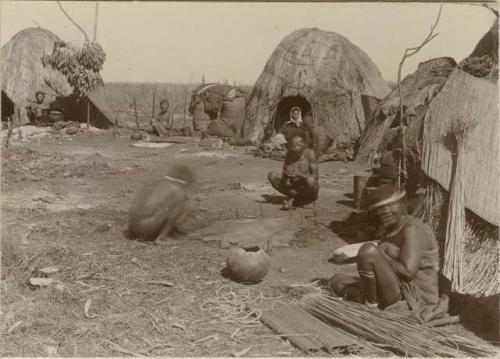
(272, 199)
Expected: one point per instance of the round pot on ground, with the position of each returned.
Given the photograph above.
(248, 264)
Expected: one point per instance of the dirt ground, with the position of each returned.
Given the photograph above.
(65, 201)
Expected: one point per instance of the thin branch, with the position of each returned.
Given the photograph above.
(73, 21)
(408, 53)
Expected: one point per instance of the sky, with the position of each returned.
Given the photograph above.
(179, 42)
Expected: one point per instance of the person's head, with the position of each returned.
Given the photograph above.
(386, 206)
(182, 172)
(295, 115)
(296, 145)
(39, 96)
(164, 105)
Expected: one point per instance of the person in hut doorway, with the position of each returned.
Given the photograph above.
(295, 126)
(400, 273)
(37, 110)
(299, 179)
(320, 139)
(163, 122)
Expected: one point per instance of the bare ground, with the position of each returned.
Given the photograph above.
(64, 204)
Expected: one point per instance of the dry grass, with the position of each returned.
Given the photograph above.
(107, 298)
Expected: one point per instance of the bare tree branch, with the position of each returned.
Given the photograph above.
(73, 21)
(408, 53)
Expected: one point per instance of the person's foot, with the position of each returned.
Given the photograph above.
(286, 205)
(161, 242)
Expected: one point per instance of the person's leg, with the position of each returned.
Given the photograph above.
(275, 179)
(380, 282)
(307, 192)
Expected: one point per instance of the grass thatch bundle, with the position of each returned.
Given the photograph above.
(456, 141)
(483, 61)
(418, 89)
(319, 71)
(392, 331)
(480, 246)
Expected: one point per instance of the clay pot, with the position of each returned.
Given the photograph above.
(248, 264)
(136, 136)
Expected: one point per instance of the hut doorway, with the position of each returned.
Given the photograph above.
(282, 113)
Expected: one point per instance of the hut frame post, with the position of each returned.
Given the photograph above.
(88, 114)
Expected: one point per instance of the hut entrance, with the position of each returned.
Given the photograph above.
(282, 113)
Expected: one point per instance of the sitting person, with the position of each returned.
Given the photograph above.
(163, 122)
(37, 111)
(299, 179)
(320, 140)
(294, 126)
(404, 266)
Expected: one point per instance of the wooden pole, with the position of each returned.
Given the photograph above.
(88, 114)
(136, 117)
(95, 20)
(153, 112)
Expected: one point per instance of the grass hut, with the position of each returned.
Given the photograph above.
(23, 74)
(319, 71)
(217, 102)
(460, 163)
(418, 90)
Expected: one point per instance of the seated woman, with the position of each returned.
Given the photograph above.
(404, 266)
(295, 126)
(38, 109)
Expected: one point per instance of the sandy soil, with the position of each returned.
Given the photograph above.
(64, 204)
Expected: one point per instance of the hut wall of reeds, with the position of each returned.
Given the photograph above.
(318, 71)
(460, 145)
(23, 74)
(418, 90)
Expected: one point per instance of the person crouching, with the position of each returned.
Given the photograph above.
(161, 206)
(299, 178)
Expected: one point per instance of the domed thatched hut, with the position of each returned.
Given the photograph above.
(23, 74)
(319, 71)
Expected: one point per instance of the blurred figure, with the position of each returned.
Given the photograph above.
(320, 139)
(299, 179)
(162, 206)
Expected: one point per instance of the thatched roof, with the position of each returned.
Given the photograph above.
(483, 61)
(337, 78)
(469, 99)
(22, 71)
(418, 89)
(23, 74)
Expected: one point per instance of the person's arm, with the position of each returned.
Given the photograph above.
(406, 266)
